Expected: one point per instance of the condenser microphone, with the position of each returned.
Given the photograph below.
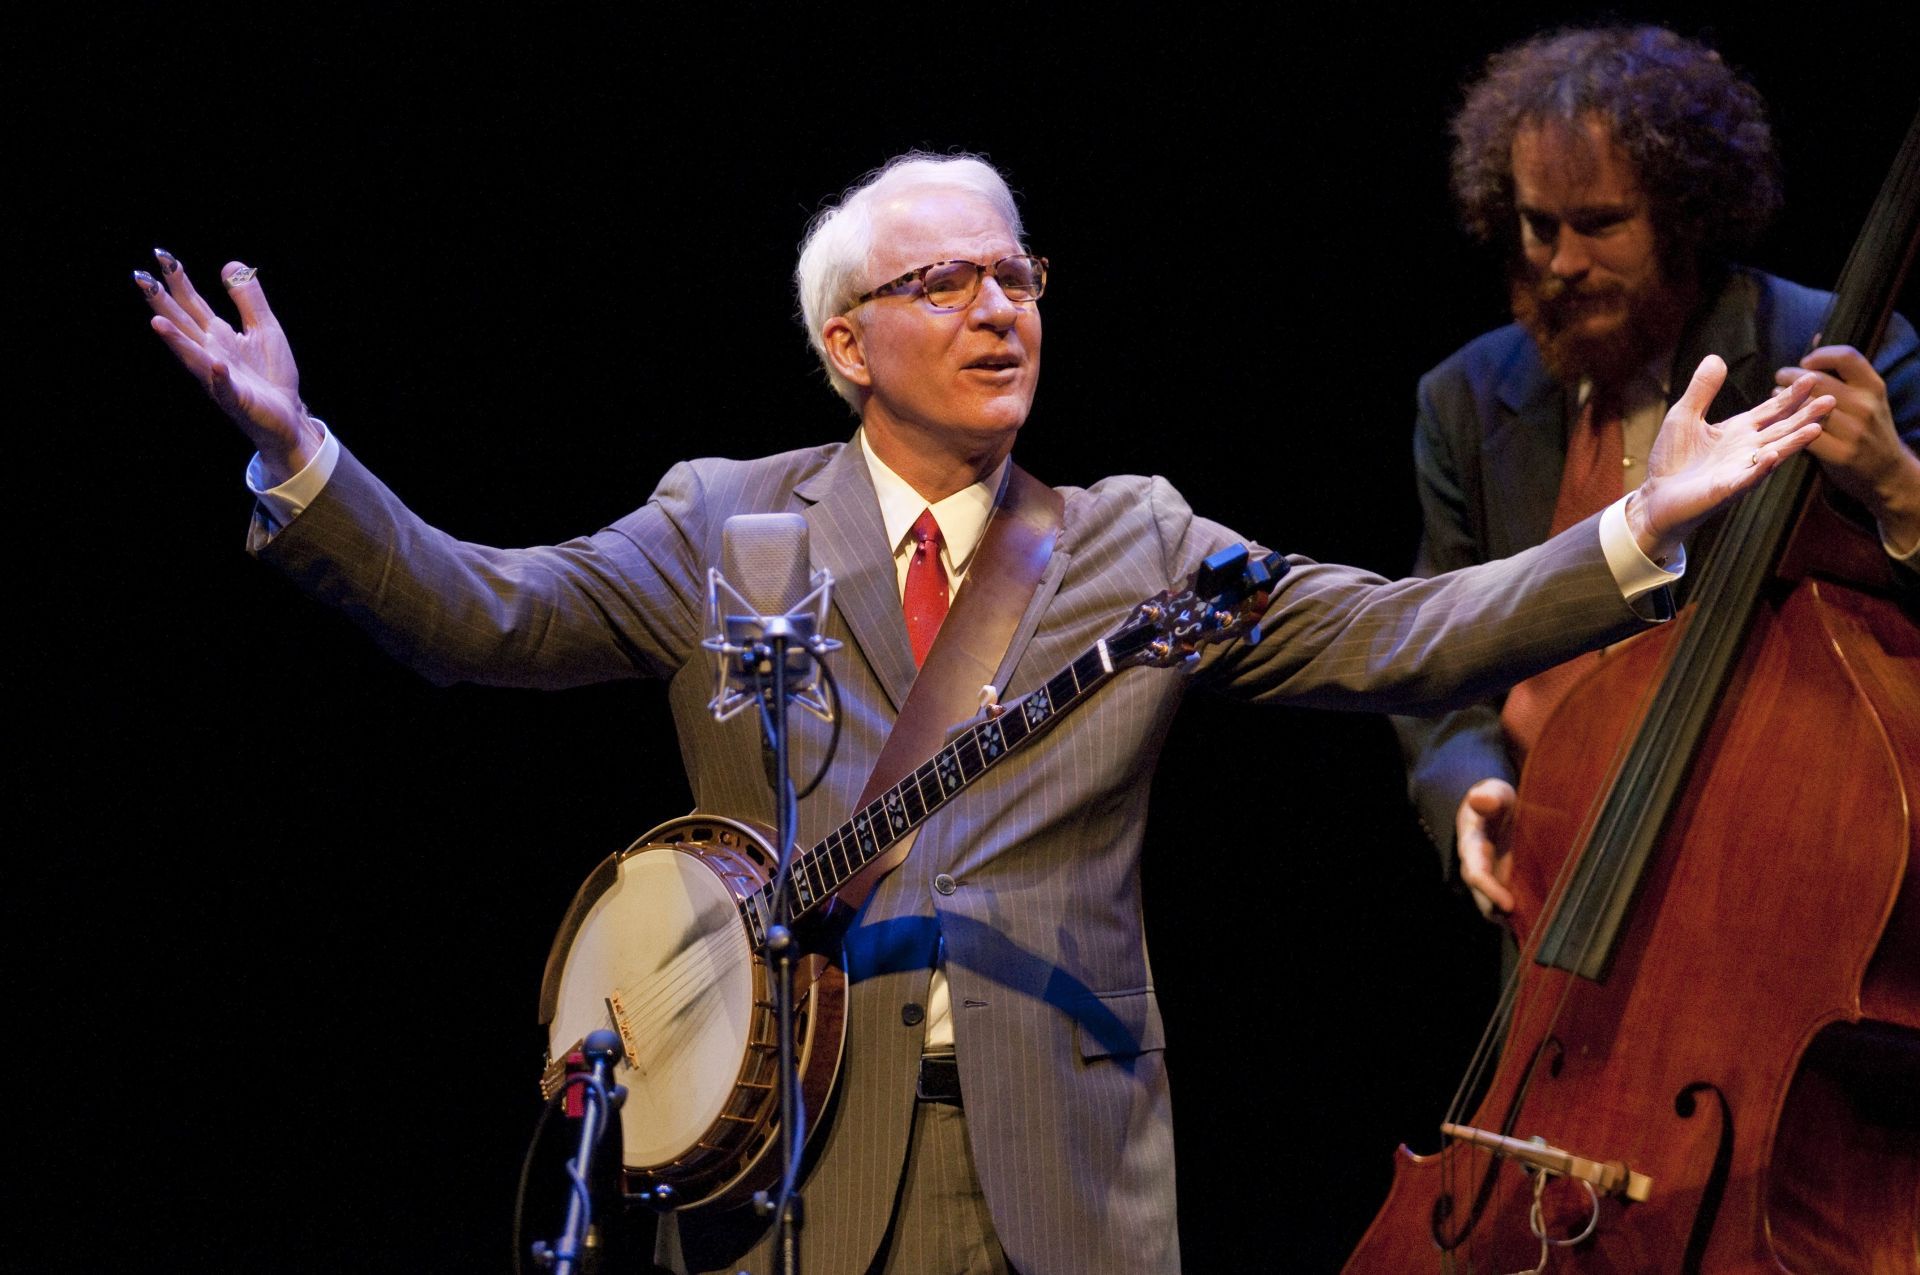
(764, 558)
(766, 599)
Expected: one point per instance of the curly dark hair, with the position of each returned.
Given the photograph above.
(1695, 132)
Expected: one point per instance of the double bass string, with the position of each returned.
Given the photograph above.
(1487, 1052)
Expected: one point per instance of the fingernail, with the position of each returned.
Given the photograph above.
(243, 275)
(147, 284)
(168, 265)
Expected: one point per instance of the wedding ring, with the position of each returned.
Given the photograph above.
(1753, 458)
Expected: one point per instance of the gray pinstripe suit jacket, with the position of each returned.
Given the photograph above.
(1056, 1025)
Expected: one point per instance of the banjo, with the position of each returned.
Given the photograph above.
(663, 943)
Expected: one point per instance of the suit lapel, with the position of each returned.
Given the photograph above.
(849, 540)
(1525, 453)
(1725, 327)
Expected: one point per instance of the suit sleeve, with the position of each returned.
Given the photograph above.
(1338, 637)
(626, 601)
(1449, 753)
(1899, 366)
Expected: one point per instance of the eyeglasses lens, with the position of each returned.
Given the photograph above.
(952, 283)
(955, 283)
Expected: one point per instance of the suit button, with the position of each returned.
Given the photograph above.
(944, 884)
(911, 1014)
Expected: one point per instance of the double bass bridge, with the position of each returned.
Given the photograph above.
(1609, 1177)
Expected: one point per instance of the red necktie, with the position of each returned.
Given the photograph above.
(1590, 482)
(925, 600)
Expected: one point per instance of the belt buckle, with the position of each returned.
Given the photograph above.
(945, 1067)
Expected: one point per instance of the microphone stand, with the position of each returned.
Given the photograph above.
(752, 650)
(783, 951)
(602, 1051)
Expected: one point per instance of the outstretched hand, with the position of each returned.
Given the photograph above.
(1696, 467)
(250, 373)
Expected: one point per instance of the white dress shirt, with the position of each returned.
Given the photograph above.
(963, 519)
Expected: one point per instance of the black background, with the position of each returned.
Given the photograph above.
(278, 909)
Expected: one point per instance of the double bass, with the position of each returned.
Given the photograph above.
(1711, 1052)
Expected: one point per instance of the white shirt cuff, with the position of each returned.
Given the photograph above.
(284, 503)
(1633, 571)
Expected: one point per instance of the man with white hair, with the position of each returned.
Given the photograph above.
(1003, 1103)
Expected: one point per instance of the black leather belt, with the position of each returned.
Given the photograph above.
(939, 1079)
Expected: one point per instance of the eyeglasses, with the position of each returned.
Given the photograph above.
(951, 285)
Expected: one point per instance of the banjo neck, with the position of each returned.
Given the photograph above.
(1164, 631)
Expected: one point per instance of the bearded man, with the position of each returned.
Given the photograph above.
(1599, 160)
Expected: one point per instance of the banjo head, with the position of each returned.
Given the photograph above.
(656, 947)
(663, 958)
